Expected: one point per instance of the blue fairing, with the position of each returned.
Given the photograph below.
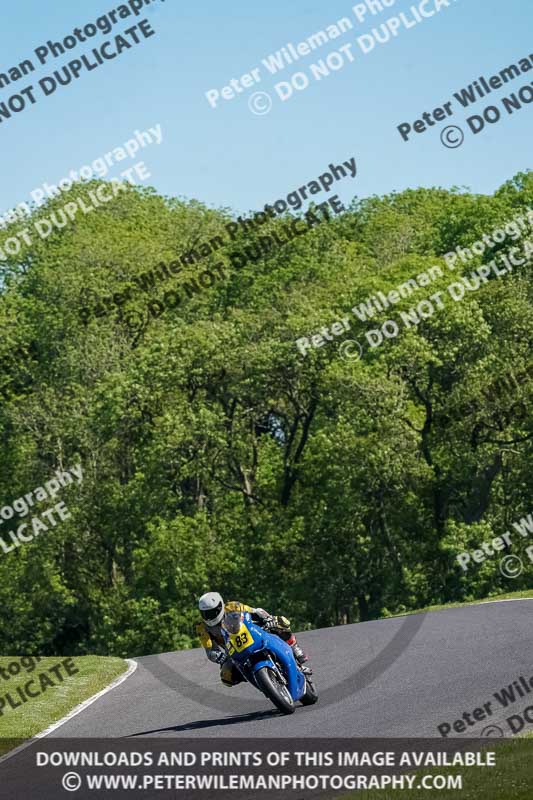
(259, 655)
(284, 654)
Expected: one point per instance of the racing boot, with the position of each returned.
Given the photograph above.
(298, 653)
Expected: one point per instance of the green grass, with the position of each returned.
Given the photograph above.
(33, 716)
(510, 779)
(507, 596)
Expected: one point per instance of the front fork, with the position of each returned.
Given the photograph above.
(275, 668)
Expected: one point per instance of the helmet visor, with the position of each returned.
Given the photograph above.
(210, 614)
(233, 621)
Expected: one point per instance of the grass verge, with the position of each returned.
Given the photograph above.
(510, 779)
(58, 692)
(507, 596)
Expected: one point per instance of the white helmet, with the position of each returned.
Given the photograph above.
(211, 607)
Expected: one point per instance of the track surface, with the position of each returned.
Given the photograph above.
(395, 677)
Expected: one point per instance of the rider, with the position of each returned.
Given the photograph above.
(209, 631)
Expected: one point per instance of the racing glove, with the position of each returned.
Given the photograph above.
(221, 657)
(217, 656)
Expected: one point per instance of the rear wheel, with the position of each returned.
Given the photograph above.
(311, 695)
(273, 687)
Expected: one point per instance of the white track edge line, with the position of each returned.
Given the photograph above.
(132, 666)
(506, 600)
(473, 604)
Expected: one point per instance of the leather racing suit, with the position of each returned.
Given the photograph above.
(212, 641)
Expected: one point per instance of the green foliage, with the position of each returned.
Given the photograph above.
(215, 456)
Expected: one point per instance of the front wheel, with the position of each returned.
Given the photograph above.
(311, 695)
(275, 690)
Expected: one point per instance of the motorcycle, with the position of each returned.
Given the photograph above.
(267, 662)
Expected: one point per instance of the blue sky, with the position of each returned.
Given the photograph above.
(231, 157)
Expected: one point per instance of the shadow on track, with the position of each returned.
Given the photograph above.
(213, 723)
(404, 631)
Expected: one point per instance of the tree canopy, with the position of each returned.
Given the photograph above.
(216, 456)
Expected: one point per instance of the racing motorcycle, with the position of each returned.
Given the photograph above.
(267, 662)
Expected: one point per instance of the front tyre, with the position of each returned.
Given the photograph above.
(311, 695)
(275, 690)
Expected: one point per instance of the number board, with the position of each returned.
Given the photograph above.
(241, 640)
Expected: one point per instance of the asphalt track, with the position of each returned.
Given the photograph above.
(398, 677)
